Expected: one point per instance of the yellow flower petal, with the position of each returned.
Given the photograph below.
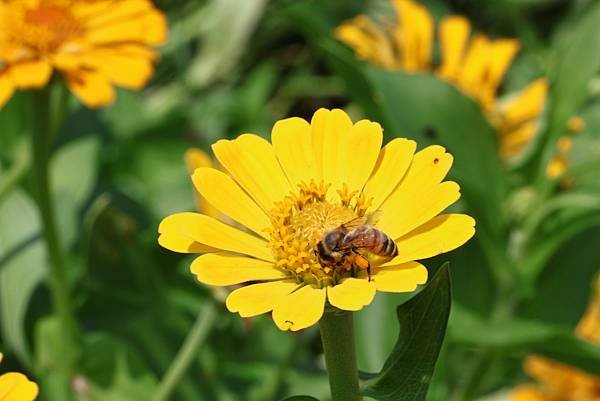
(368, 41)
(328, 129)
(31, 74)
(394, 160)
(6, 88)
(514, 141)
(351, 294)
(528, 393)
(472, 73)
(502, 53)
(196, 158)
(400, 278)
(428, 169)
(300, 309)
(414, 34)
(357, 155)
(454, 34)
(226, 269)
(181, 244)
(222, 192)
(127, 21)
(90, 87)
(252, 163)
(525, 105)
(16, 387)
(257, 299)
(428, 205)
(440, 234)
(119, 67)
(292, 143)
(209, 231)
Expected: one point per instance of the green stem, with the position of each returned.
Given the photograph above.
(187, 352)
(337, 335)
(42, 121)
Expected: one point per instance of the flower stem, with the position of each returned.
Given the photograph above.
(187, 352)
(44, 123)
(337, 335)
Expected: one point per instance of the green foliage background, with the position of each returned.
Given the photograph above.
(519, 286)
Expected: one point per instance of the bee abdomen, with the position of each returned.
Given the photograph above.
(387, 246)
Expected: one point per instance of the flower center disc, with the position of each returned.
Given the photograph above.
(44, 28)
(300, 221)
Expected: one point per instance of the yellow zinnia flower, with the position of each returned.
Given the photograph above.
(16, 387)
(288, 193)
(559, 382)
(94, 44)
(475, 65)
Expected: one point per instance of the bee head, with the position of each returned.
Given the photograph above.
(332, 240)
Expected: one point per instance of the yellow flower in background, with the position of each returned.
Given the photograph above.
(288, 193)
(94, 44)
(558, 382)
(406, 45)
(16, 387)
(474, 63)
(560, 162)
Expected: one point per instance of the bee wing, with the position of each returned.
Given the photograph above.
(373, 218)
(363, 237)
(354, 223)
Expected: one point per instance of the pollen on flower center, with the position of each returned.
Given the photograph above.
(44, 28)
(301, 220)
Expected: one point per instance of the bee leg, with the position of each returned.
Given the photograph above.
(369, 272)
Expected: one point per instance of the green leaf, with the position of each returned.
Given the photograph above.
(300, 398)
(525, 337)
(22, 268)
(406, 373)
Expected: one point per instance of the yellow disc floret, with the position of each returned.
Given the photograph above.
(301, 220)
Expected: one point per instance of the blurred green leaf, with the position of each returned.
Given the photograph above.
(22, 268)
(114, 371)
(525, 336)
(74, 169)
(312, 22)
(408, 370)
(375, 331)
(577, 61)
(563, 287)
(300, 398)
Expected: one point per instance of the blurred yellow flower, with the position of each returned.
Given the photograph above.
(560, 162)
(558, 382)
(288, 193)
(94, 44)
(474, 63)
(16, 387)
(575, 124)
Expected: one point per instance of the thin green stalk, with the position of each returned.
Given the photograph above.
(188, 351)
(337, 335)
(42, 122)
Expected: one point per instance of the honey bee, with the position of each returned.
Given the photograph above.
(346, 242)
